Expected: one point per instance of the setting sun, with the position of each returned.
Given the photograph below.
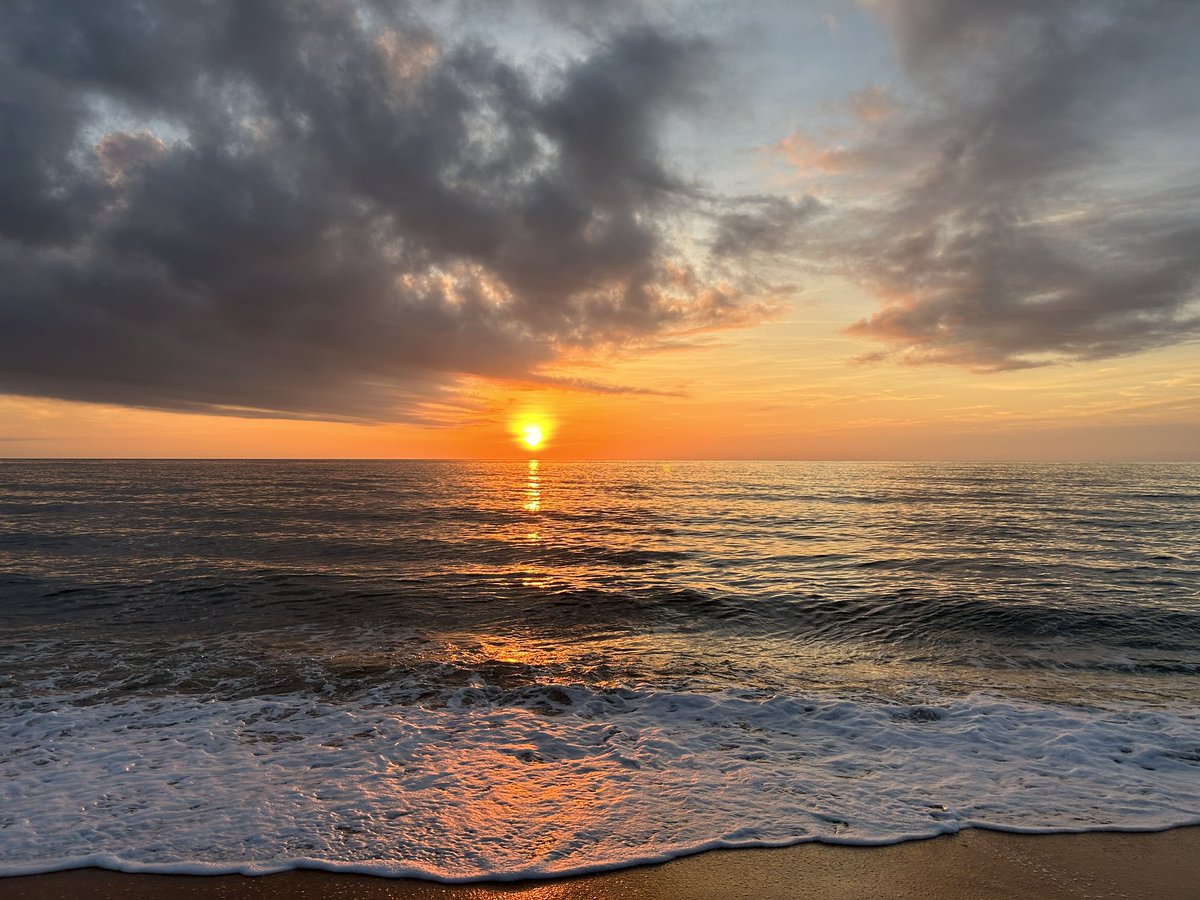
(532, 436)
(532, 428)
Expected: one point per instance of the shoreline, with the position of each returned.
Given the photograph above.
(974, 863)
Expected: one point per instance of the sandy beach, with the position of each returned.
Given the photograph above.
(971, 864)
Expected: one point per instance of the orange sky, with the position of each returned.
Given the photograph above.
(783, 390)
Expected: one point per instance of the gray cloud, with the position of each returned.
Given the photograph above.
(763, 224)
(326, 209)
(1009, 209)
(588, 15)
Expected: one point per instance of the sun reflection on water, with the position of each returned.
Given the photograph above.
(533, 491)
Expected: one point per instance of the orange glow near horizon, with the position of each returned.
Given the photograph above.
(757, 397)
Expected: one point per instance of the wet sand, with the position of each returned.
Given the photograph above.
(973, 864)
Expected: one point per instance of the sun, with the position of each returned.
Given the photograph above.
(533, 429)
(532, 436)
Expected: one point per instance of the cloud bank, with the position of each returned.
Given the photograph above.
(328, 208)
(1028, 192)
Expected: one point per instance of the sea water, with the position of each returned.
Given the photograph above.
(498, 670)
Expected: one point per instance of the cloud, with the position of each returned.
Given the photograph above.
(597, 387)
(589, 15)
(872, 104)
(762, 224)
(1010, 208)
(325, 208)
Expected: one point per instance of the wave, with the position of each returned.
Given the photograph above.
(562, 779)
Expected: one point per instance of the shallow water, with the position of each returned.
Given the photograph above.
(461, 670)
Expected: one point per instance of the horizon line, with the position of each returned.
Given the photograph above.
(598, 459)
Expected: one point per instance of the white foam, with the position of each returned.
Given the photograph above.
(475, 790)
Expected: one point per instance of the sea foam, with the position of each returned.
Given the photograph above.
(569, 779)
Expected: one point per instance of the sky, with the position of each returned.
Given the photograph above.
(839, 229)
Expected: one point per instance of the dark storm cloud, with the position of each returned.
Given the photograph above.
(1013, 214)
(322, 208)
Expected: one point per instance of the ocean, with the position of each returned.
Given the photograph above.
(465, 670)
